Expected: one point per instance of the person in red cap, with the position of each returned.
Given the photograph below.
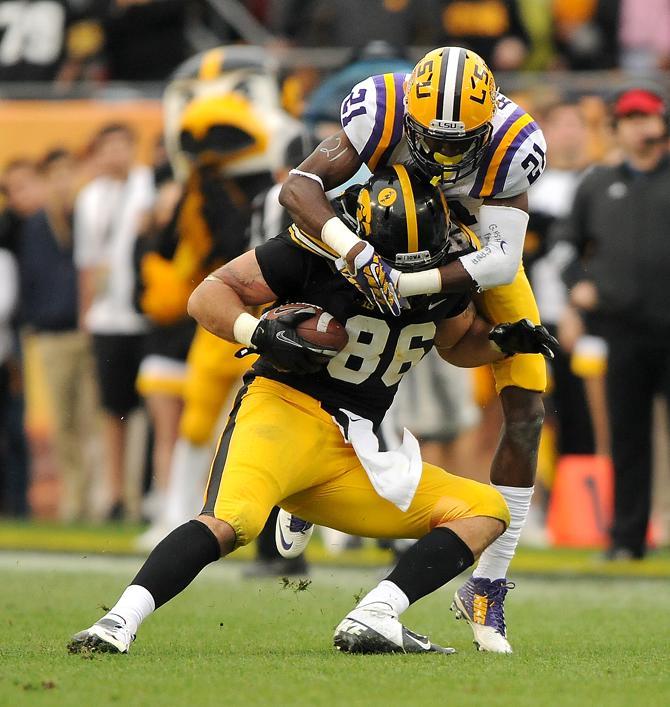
(619, 227)
(639, 101)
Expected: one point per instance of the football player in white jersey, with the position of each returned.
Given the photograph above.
(448, 120)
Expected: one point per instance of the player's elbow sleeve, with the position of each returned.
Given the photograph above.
(491, 267)
(497, 261)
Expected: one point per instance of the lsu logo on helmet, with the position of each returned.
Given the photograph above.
(450, 101)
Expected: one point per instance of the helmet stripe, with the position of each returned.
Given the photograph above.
(458, 84)
(440, 84)
(445, 206)
(410, 208)
(211, 63)
(449, 85)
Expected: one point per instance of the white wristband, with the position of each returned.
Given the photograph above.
(244, 327)
(426, 282)
(336, 235)
(309, 175)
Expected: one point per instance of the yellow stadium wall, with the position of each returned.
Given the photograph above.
(31, 128)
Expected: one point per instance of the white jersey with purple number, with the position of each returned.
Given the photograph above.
(373, 115)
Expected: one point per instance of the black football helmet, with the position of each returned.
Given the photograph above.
(406, 219)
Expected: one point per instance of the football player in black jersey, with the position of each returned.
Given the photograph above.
(302, 431)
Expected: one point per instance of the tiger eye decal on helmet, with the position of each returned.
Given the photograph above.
(450, 103)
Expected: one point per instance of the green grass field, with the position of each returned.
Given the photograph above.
(119, 539)
(228, 641)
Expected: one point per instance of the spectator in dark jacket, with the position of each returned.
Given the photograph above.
(49, 308)
(23, 191)
(619, 224)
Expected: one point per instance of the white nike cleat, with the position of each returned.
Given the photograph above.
(292, 534)
(375, 628)
(105, 636)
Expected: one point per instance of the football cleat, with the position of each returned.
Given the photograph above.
(375, 629)
(480, 601)
(292, 534)
(105, 636)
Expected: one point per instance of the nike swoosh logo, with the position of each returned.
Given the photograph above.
(282, 337)
(502, 245)
(290, 309)
(432, 305)
(423, 644)
(285, 545)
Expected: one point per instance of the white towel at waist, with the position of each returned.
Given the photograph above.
(395, 474)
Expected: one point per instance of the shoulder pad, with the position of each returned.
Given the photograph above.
(516, 156)
(372, 117)
(313, 245)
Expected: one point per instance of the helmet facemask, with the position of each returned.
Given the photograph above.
(446, 157)
(421, 260)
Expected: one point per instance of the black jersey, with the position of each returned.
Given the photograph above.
(364, 376)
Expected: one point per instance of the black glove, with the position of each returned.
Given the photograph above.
(279, 343)
(523, 337)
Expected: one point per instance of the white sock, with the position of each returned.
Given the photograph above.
(134, 605)
(188, 476)
(495, 560)
(387, 593)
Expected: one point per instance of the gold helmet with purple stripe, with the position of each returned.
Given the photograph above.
(450, 101)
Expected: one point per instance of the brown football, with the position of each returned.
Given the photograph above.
(321, 329)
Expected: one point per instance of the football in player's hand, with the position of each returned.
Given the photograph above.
(321, 329)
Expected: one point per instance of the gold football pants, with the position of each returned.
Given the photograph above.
(281, 448)
(509, 303)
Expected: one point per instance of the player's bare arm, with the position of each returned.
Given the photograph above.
(220, 303)
(464, 340)
(494, 264)
(333, 162)
(224, 296)
(468, 340)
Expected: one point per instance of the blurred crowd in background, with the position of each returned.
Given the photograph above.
(106, 228)
(139, 40)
